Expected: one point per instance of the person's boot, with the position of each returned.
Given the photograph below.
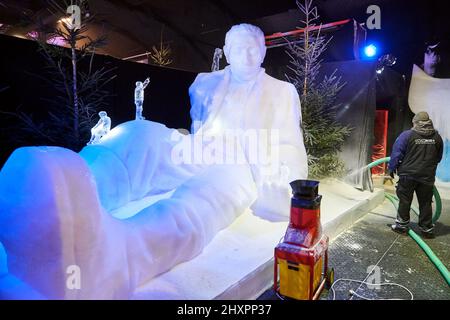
(427, 233)
(399, 229)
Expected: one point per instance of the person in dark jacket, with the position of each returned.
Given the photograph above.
(415, 156)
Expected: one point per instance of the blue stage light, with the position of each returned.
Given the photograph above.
(370, 50)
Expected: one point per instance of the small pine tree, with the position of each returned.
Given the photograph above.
(323, 135)
(77, 95)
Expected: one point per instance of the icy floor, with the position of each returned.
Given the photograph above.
(230, 264)
(400, 259)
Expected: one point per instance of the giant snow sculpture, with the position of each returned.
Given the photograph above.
(432, 95)
(242, 96)
(56, 204)
(3, 266)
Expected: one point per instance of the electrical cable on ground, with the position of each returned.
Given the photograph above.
(378, 262)
(369, 284)
(354, 293)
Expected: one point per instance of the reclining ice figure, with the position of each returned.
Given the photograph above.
(57, 206)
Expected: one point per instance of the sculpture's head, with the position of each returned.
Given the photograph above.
(139, 84)
(218, 52)
(102, 114)
(245, 49)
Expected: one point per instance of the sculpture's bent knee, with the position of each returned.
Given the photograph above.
(51, 219)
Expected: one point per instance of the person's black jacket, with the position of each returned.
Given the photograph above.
(416, 155)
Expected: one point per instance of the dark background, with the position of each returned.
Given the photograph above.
(195, 28)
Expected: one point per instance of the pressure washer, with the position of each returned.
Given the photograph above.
(301, 260)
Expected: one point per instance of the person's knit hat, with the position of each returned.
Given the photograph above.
(421, 116)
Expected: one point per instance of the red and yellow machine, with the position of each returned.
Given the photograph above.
(301, 260)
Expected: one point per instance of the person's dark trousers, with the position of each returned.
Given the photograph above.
(405, 192)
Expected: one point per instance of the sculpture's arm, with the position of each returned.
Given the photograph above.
(196, 97)
(146, 82)
(99, 123)
(289, 160)
(292, 149)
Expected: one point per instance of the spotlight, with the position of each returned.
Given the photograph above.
(370, 50)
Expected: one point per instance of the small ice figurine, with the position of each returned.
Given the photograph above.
(139, 97)
(216, 59)
(101, 128)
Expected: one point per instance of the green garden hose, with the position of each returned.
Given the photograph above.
(437, 213)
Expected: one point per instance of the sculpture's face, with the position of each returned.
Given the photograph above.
(245, 56)
(139, 84)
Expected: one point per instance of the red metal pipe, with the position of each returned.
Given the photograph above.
(299, 31)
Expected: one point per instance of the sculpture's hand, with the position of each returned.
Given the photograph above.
(273, 201)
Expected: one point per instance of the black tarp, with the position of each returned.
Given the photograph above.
(357, 101)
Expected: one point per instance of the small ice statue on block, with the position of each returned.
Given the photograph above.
(139, 97)
(218, 53)
(101, 128)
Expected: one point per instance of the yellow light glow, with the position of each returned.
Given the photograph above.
(66, 20)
